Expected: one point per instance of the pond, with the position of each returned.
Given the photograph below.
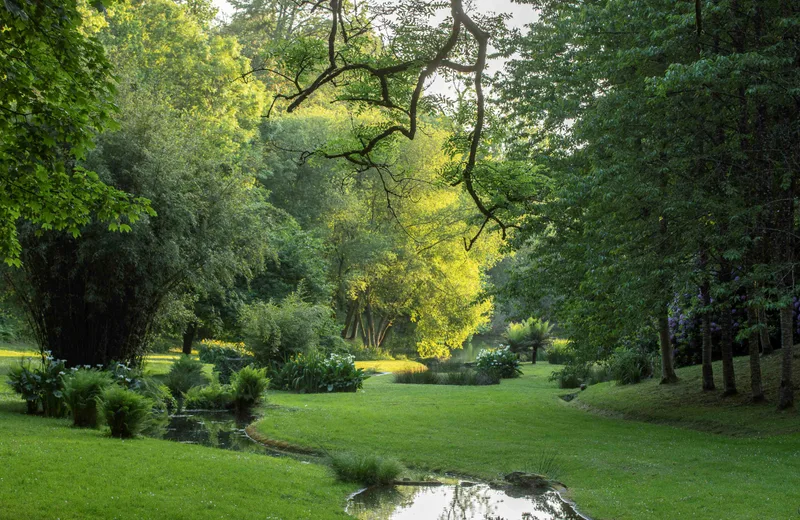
(464, 501)
(452, 500)
(215, 429)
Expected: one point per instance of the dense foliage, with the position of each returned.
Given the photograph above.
(317, 373)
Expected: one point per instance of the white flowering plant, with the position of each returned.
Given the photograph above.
(499, 360)
(317, 373)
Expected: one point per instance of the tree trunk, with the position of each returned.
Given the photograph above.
(533, 357)
(188, 337)
(667, 370)
(755, 361)
(708, 369)
(786, 392)
(763, 332)
(351, 309)
(728, 374)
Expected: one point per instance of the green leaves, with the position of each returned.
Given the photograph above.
(55, 98)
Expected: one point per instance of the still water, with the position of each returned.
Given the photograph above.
(457, 502)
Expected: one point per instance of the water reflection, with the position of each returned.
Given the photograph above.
(215, 429)
(456, 502)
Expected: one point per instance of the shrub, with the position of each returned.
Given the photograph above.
(315, 373)
(463, 377)
(570, 376)
(160, 395)
(212, 350)
(559, 352)
(597, 373)
(367, 470)
(211, 397)
(23, 379)
(225, 367)
(630, 366)
(81, 392)
(125, 411)
(417, 377)
(470, 378)
(41, 385)
(500, 360)
(184, 374)
(125, 375)
(249, 385)
(276, 332)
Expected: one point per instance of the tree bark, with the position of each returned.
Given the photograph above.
(188, 337)
(728, 373)
(786, 392)
(533, 356)
(763, 332)
(667, 369)
(756, 389)
(351, 309)
(708, 369)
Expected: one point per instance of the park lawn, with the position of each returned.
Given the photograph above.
(51, 470)
(390, 365)
(615, 468)
(683, 404)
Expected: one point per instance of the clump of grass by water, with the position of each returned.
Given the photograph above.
(545, 463)
(417, 377)
(365, 469)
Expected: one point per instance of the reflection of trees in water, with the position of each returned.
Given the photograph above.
(380, 503)
(465, 503)
(218, 430)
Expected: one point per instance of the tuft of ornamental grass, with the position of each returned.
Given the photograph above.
(365, 469)
(463, 377)
(126, 412)
(417, 377)
(184, 374)
(81, 392)
(249, 385)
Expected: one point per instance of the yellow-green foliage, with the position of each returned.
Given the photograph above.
(240, 346)
(390, 366)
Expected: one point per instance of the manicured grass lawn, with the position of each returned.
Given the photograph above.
(390, 365)
(684, 404)
(50, 470)
(615, 468)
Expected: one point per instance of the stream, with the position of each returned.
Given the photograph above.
(452, 500)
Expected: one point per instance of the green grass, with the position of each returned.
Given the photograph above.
(50, 470)
(684, 405)
(615, 469)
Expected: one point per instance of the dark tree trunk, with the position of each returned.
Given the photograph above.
(667, 369)
(763, 332)
(351, 309)
(755, 361)
(708, 369)
(728, 374)
(786, 392)
(188, 337)
(533, 356)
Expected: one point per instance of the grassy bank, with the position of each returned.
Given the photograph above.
(51, 470)
(683, 404)
(615, 468)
